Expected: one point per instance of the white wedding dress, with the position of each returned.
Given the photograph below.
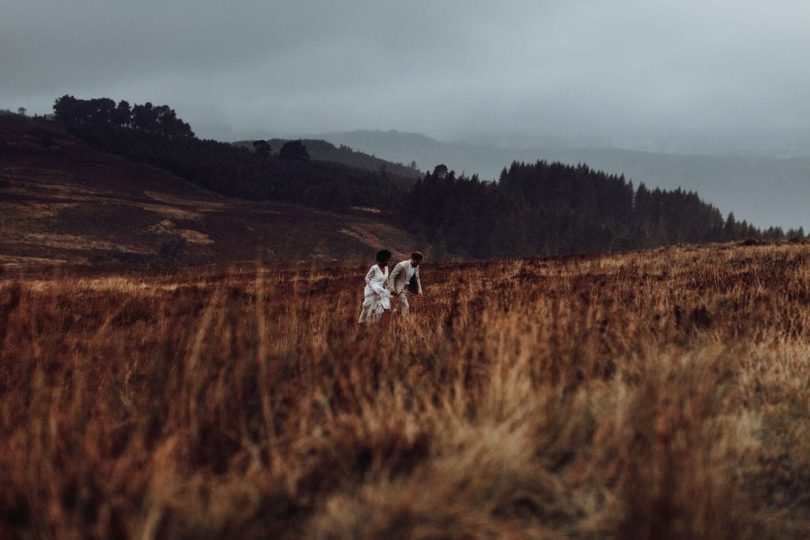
(376, 296)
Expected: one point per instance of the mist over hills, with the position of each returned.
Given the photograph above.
(768, 190)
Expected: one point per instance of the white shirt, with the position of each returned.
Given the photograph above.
(411, 271)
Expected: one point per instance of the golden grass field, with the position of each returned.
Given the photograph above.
(661, 394)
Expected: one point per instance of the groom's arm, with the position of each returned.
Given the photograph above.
(392, 279)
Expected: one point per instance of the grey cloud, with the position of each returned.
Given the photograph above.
(709, 75)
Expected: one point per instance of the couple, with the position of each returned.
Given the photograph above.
(404, 279)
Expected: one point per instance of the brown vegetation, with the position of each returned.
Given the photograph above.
(649, 395)
(62, 202)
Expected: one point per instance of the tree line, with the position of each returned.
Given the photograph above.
(146, 118)
(538, 208)
(546, 208)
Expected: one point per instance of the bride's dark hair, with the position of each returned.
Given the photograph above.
(383, 256)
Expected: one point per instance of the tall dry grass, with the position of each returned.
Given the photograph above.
(649, 395)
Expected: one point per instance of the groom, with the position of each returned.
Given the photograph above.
(404, 279)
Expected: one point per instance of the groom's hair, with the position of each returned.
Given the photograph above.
(417, 256)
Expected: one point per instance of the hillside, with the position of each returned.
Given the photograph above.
(766, 190)
(659, 394)
(63, 202)
(155, 135)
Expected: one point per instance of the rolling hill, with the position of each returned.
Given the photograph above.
(63, 202)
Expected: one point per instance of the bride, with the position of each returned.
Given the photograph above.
(376, 296)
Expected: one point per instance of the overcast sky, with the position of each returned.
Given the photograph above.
(684, 75)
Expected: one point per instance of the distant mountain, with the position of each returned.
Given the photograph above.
(322, 150)
(767, 190)
(385, 142)
(393, 145)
